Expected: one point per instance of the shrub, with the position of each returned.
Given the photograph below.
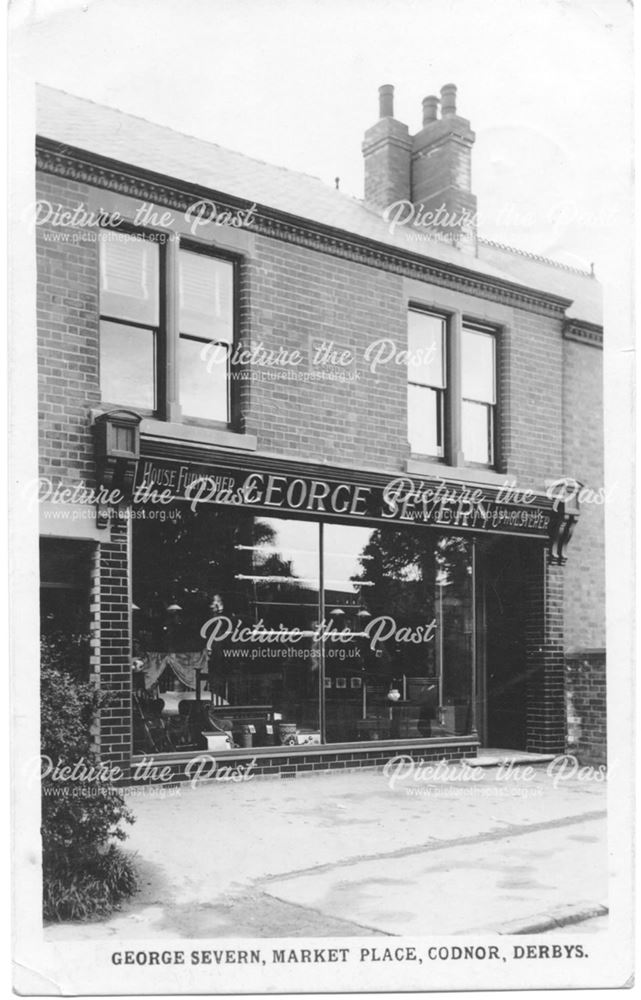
(84, 873)
(68, 651)
(91, 892)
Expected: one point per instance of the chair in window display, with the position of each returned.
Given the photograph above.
(138, 678)
(196, 718)
(150, 729)
(217, 724)
(182, 724)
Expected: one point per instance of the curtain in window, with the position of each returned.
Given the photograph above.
(183, 665)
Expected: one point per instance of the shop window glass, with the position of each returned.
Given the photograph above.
(218, 593)
(404, 599)
(230, 605)
(279, 580)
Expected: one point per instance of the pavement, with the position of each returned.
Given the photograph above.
(362, 854)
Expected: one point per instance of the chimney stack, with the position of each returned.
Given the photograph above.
(387, 150)
(432, 169)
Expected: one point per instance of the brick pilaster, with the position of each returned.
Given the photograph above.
(115, 647)
(94, 631)
(544, 656)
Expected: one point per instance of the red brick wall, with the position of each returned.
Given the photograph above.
(585, 692)
(583, 460)
(530, 387)
(68, 363)
(297, 294)
(67, 304)
(584, 597)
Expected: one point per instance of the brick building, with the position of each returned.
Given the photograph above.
(309, 465)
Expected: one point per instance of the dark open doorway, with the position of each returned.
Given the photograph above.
(504, 598)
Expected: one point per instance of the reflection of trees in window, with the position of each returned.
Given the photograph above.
(400, 563)
(419, 577)
(269, 562)
(181, 563)
(453, 555)
(279, 595)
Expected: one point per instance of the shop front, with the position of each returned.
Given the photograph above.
(309, 620)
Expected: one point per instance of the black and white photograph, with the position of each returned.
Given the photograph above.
(321, 482)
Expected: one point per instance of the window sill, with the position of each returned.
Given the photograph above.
(466, 473)
(221, 437)
(197, 433)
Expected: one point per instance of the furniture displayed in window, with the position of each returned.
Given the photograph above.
(251, 725)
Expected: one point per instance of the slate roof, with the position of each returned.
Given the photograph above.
(128, 139)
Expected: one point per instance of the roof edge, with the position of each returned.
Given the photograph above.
(100, 171)
(583, 332)
(537, 257)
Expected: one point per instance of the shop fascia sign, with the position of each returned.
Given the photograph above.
(406, 499)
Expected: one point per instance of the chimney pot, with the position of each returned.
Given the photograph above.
(430, 110)
(448, 99)
(386, 101)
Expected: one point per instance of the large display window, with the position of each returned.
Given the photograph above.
(252, 631)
